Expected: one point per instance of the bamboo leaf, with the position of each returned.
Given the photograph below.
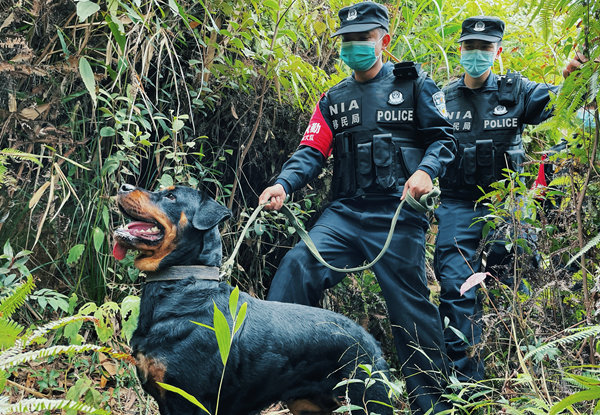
(87, 75)
(241, 316)
(184, 394)
(204, 325)
(222, 333)
(233, 301)
(38, 195)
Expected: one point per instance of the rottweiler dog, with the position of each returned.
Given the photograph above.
(283, 352)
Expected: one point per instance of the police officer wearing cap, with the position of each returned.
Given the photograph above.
(488, 113)
(386, 129)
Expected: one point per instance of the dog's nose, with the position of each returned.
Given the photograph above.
(126, 188)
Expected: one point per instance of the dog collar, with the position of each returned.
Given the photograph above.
(180, 272)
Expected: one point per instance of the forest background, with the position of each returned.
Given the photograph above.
(216, 95)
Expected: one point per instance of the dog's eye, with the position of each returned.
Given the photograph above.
(170, 196)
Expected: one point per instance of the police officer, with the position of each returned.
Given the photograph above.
(488, 114)
(386, 128)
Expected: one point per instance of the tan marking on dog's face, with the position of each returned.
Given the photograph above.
(139, 203)
(183, 220)
(305, 407)
(151, 371)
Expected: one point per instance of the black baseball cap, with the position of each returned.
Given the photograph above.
(486, 28)
(362, 17)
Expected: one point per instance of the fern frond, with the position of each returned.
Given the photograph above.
(560, 181)
(11, 303)
(35, 405)
(579, 334)
(3, 170)
(12, 152)
(592, 243)
(9, 331)
(494, 194)
(13, 356)
(53, 325)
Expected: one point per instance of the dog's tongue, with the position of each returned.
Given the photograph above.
(119, 251)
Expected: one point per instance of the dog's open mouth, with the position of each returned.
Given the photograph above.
(134, 234)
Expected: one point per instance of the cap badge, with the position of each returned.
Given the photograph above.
(396, 98)
(352, 15)
(500, 110)
(479, 26)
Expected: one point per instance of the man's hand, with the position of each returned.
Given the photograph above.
(418, 184)
(274, 195)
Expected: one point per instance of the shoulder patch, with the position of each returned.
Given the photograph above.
(439, 100)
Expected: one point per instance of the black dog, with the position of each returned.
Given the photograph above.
(282, 352)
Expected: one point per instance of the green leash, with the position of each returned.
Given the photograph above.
(424, 204)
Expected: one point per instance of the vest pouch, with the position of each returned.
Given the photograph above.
(515, 159)
(383, 157)
(485, 161)
(469, 164)
(343, 166)
(411, 159)
(364, 168)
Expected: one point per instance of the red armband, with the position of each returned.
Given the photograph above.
(318, 135)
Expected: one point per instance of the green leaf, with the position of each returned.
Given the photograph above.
(63, 44)
(105, 217)
(290, 33)
(115, 30)
(130, 311)
(241, 316)
(8, 251)
(98, 237)
(460, 334)
(85, 9)
(75, 254)
(178, 124)
(85, 70)
(582, 396)
(184, 394)
(107, 132)
(71, 332)
(259, 228)
(204, 325)
(222, 333)
(166, 180)
(271, 4)
(174, 7)
(233, 301)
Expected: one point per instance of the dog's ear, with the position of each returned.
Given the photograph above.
(209, 214)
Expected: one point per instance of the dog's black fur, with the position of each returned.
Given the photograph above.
(283, 352)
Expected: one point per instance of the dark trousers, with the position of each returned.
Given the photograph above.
(456, 260)
(350, 232)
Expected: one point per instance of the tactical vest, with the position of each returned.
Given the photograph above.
(375, 147)
(487, 126)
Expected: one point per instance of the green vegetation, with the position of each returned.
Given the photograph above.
(216, 94)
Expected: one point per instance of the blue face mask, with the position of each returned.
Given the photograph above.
(476, 62)
(359, 55)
